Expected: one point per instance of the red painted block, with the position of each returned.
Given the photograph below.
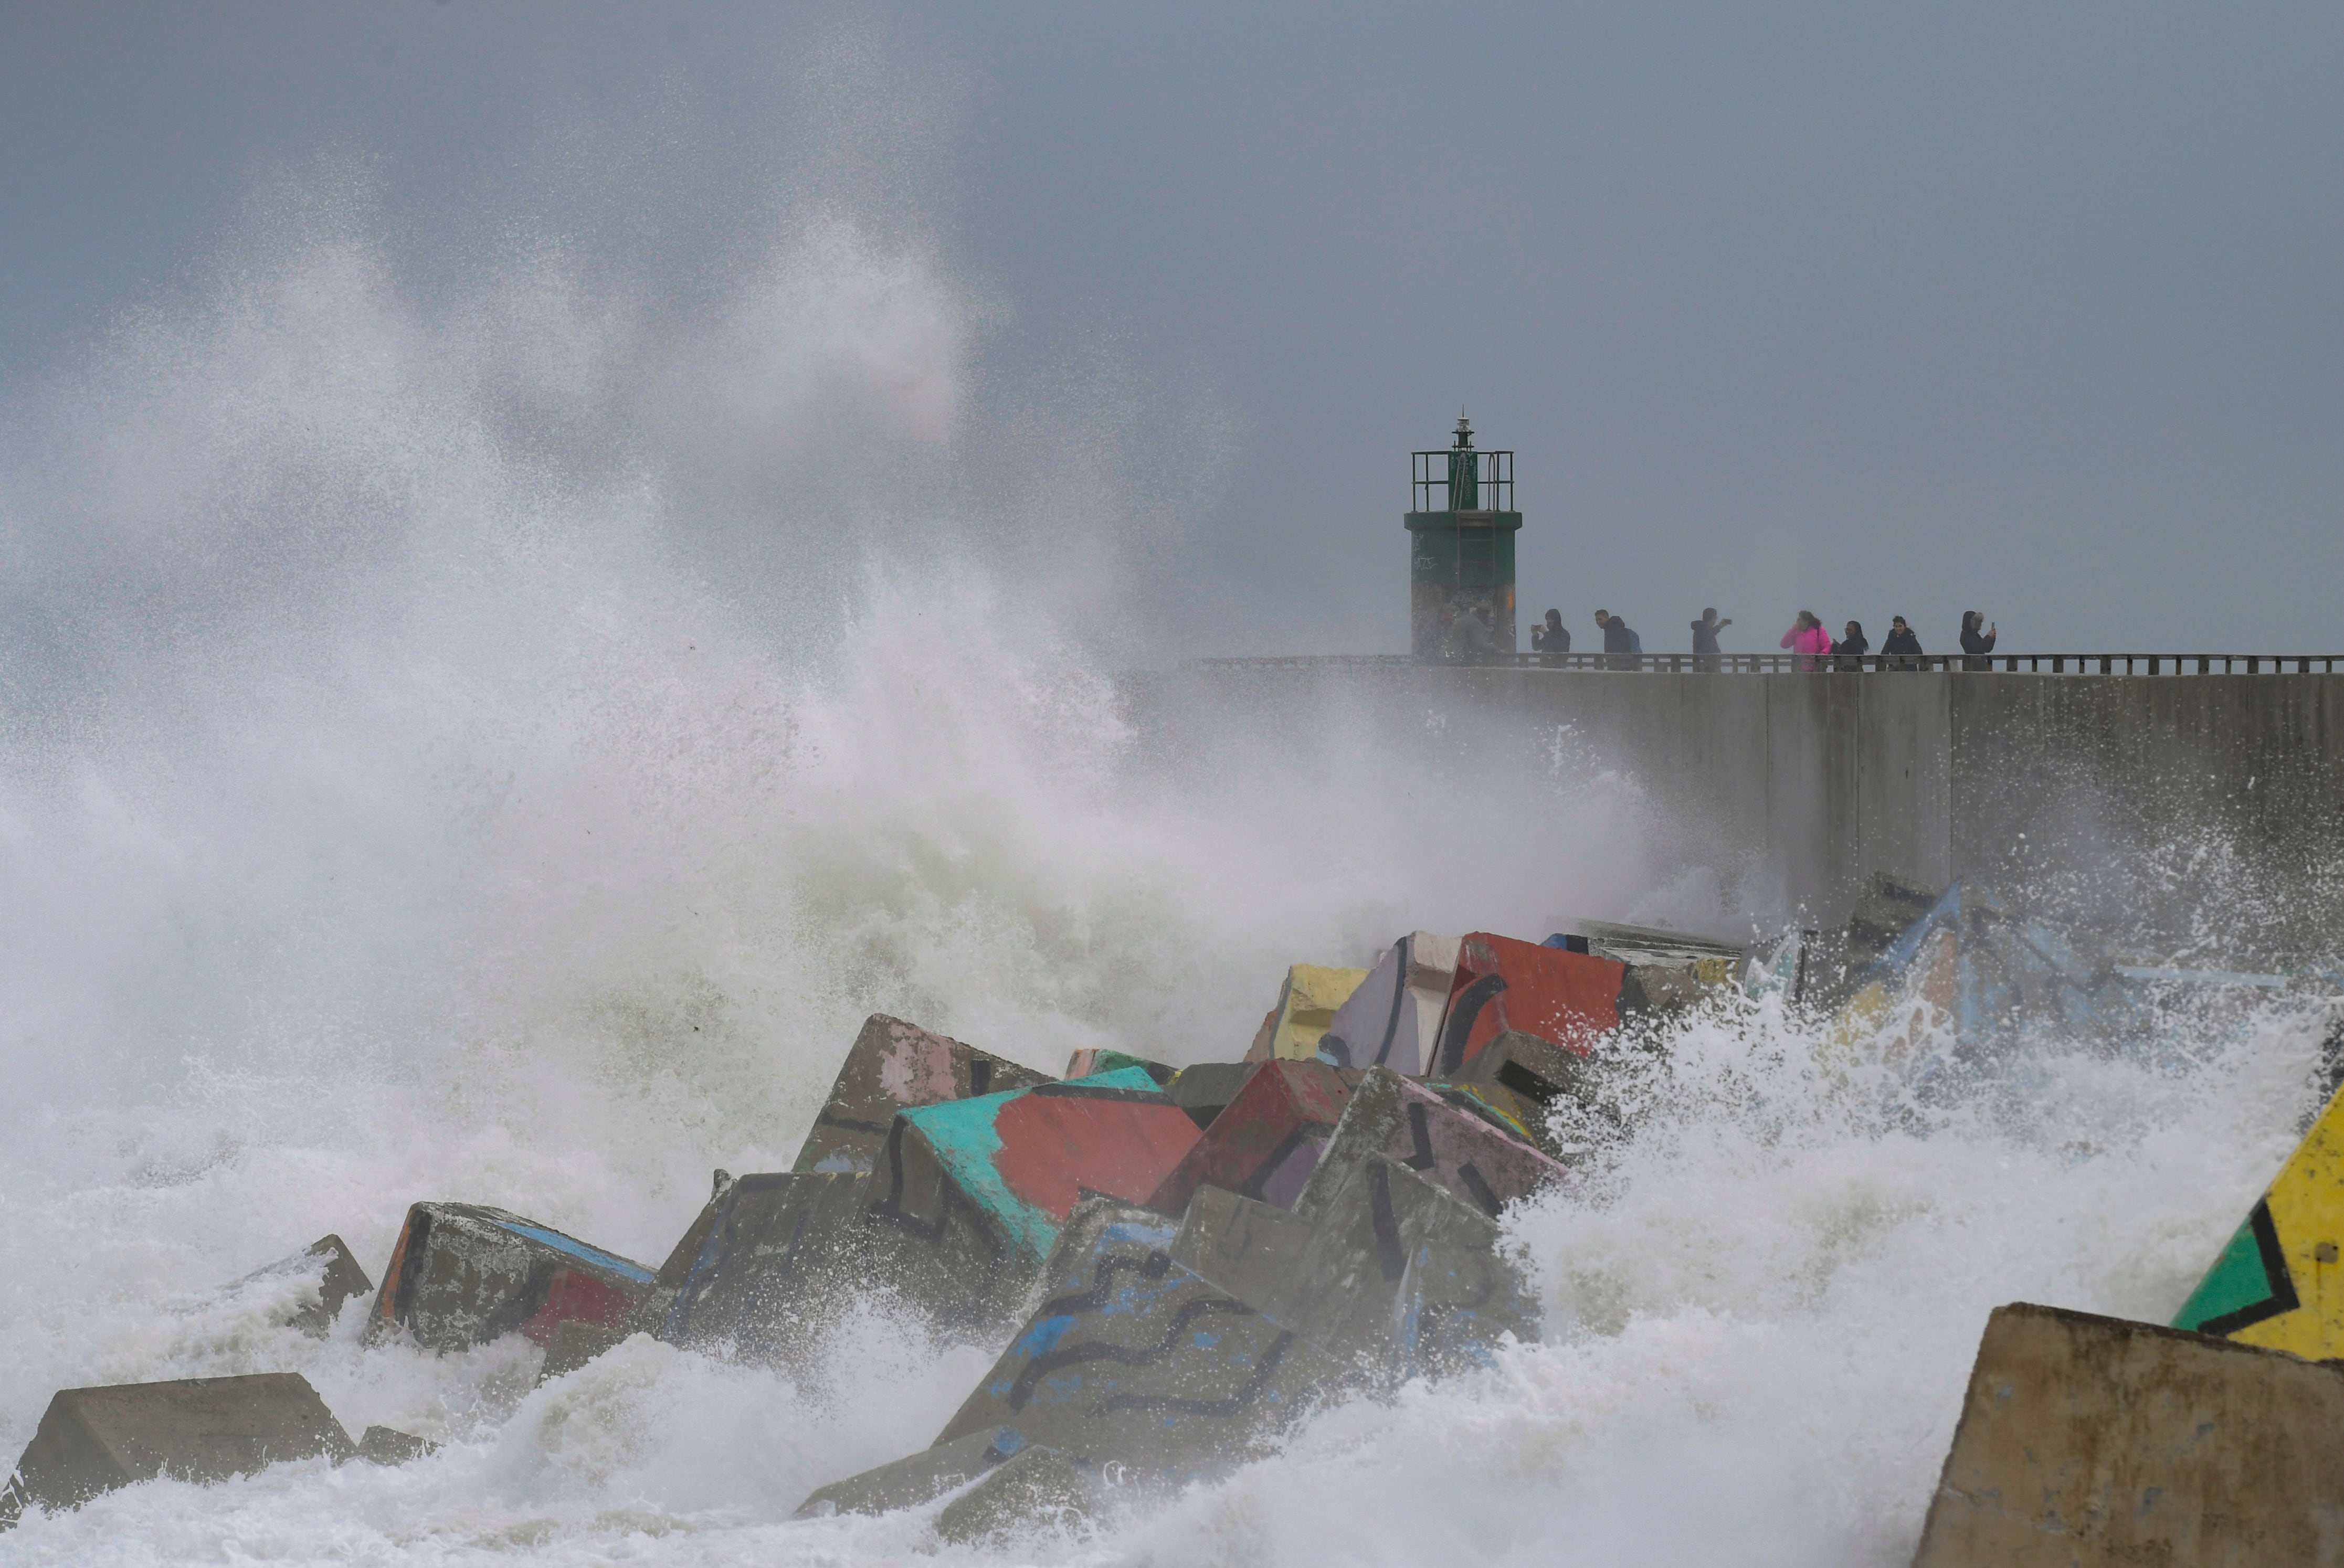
(1063, 1141)
(1266, 1142)
(1503, 985)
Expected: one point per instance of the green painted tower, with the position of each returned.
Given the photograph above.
(1461, 557)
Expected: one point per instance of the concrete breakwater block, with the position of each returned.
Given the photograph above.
(1141, 1363)
(1403, 1278)
(1037, 1490)
(969, 1194)
(328, 1261)
(916, 1478)
(1252, 1250)
(782, 1254)
(1093, 1059)
(463, 1274)
(1305, 1007)
(1264, 1143)
(2090, 1442)
(1463, 1154)
(92, 1440)
(1503, 985)
(2276, 1283)
(1205, 1091)
(1393, 1019)
(894, 1066)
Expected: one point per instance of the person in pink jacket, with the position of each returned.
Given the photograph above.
(1808, 639)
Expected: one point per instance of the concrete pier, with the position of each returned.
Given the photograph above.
(1812, 784)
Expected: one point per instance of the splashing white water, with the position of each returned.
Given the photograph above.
(405, 798)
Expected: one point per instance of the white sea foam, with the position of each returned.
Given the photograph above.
(399, 802)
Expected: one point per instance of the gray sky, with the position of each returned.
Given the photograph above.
(1861, 307)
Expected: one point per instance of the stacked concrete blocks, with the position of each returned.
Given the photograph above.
(1463, 1154)
(1142, 1363)
(1551, 994)
(1393, 1019)
(1266, 1142)
(894, 1066)
(1306, 1005)
(774, 1266)
(969, 1194)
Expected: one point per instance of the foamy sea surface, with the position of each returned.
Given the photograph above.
(466, 747)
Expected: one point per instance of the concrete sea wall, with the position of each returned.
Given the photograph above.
(1814, 783)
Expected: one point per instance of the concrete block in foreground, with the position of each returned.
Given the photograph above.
(969, 1194)
(463, 1274)
(1550, 993)
(916, 1478)
(1039, 1490)
(338, 1278)
(2090, 1442)
(1143, 1364)
(784, 1252)
(1393, 1019)
(1463, 1154)
(894, 1066)
(92, 1440)
(1265, 1142)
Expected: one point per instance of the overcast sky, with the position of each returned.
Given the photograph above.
(1866, 307)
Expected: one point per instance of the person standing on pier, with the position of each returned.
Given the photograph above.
(1807, 639)
(1977, 645)
(1901, 646)
(1853, 647)
(1619, 641)
(1705, 650)
(1551, 639)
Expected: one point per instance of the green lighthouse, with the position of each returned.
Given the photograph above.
(1460, 558)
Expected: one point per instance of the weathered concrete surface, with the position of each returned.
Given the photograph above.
(328, 1261)
(1037, 1490)
(1505, 985)
(1305, 1005)
(2093, 1442)
(970, 1194)
(1250, 1248)
(894, 1066)
(1092, 1059)
(916, 1478)
(388, 1445)
(463, 1274)
(92, 1440)
(1531, 1068)
(1393, 1019)
(1142, 1363)
(785, 1251)
(2277, 1282)
(1800, 789)
(1460, 1152)
(1265, 1142)
(1404, 1278)
(1205, 1089)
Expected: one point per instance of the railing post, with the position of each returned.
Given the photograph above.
(2203, 663)
(2104, 663)
(2254, 666)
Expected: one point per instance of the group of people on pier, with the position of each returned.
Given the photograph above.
(1812, 646)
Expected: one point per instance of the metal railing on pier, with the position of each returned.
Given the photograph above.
(1854, 663)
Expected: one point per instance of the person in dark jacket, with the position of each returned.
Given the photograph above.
(1977, 645)
(1901, 646)
(1619, 640)
(1551, 639)
(1705, 650)
(1852, 648)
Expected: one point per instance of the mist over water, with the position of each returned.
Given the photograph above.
(496, 744)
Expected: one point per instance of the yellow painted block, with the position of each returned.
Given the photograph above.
(1307, 1006)
(2279, 1283)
